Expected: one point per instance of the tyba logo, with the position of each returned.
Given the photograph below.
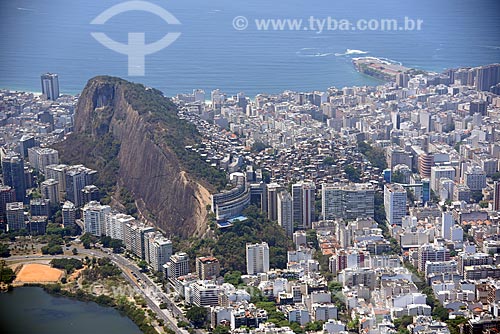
(136, 48)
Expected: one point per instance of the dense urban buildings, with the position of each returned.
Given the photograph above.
(375, 186)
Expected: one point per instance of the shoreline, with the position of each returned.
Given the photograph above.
(60, 288)
(358, 64)
(125, 309)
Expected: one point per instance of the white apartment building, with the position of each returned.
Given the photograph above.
(257, 258)
(94, 218)
(394, 203)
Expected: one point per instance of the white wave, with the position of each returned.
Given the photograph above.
(355, 52)
(493, 47)
(26, 9)
(312, 52)
(318, 54)
(391, 61)
(323, 54)
(349, 52)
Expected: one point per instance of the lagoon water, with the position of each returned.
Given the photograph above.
(32, 310)
(54, 36)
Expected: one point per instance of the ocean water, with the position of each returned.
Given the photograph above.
(54, 36)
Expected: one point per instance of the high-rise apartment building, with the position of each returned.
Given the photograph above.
(27, 141)
(90, 193)
(77, 177)
(440, 172)
(49, 189)
(115, 225)
(285, 212)
(13, 174)
(431, 253)
(273, 189)
(58, 173)
(207, 268)
(475, 178)
(158, 250)
(41, 157)
(303, 197)
(50, 85)
(40, 207)
(394, 203)
(178, 265)
(496, 196)
(94, 218)
(68, 214)
(257, 258)
(205, 293)
(446, 224)
(134, 238)
(7, 195)
(15, 216)
(347, 201)
(487, 76)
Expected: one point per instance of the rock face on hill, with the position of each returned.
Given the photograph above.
(133, 137)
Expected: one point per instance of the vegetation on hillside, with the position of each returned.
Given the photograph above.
(374, 154)
(229, 243)
(258, 146)
(128, 201)
(175, 132)
(101, 152)
(353, 174)
(230, 247)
